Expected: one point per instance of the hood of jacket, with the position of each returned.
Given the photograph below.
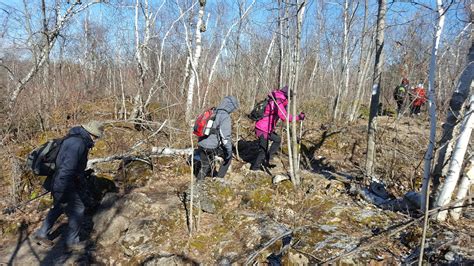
(80, 131)
(223, 124)
(228, 104)
(278, 94)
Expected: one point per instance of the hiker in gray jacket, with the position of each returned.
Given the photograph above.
(219, 142)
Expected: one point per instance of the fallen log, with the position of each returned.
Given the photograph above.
(165, 151)
(155, 152)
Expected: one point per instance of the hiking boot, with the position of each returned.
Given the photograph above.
(259, 169)
(42, 240)
(269, 165)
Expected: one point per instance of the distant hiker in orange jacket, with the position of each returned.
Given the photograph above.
(419, 99)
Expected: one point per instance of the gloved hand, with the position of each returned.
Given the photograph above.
(301, 116)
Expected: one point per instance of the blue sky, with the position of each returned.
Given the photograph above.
(263, 15)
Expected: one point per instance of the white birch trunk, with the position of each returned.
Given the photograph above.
(456, 163)
(362, 70)
(459, 96)
(466, 182)
(301, 5)
(194, 78)
(374, 101)
(280, 46)
(344, 79)
(432, 107)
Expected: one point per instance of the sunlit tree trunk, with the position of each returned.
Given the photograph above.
(459, 96)
(432, 106)
(362, 67)
(194, 78)
(466, 182)
(374, 102)
(300, 15)
(280, 45)
(456, 163)
(344, 78)
(432, 109)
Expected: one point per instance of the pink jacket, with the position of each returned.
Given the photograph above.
(273, 112)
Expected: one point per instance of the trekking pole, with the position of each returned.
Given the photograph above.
(299, 143)
(12, 209)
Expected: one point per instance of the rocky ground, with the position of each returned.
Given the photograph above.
(246, 217)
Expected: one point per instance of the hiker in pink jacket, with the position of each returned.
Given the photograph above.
(265, 127)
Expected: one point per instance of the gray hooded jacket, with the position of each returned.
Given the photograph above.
(223, 124)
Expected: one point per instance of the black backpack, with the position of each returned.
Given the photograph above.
(258, 110)
(42, 160)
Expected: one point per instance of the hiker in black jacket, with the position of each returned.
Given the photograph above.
(71, 163)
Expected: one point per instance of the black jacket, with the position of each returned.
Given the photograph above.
(72, 160)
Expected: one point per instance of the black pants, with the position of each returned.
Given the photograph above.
(264, 152)
(415, 110)
(400, 105)
(208, 165)
(71, 204)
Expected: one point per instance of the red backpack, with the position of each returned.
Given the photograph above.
(204, 122)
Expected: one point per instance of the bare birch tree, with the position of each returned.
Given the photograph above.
(459, 96)
(294, 166)
(456, 162)
(363, 65)
(377, 78)
(343, 84)
(466, 182)
(44, 45)
(194, 61)
(432, 105)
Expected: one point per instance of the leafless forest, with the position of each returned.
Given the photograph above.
(162, 59)
(157, 64)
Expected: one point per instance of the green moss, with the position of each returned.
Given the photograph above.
(210, 238)
(285, 188)
(260, 199)
(374, 220)
(224, 192)
(315, 207)
(220, 195)
(200, 243)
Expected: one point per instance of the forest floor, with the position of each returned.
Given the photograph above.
(246, 216)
